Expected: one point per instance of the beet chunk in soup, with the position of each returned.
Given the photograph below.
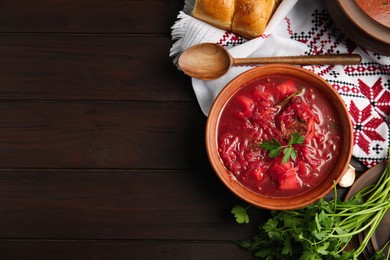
(253, 116)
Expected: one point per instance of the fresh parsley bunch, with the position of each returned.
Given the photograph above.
(324, 229)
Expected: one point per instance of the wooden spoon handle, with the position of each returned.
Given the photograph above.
(341, 59)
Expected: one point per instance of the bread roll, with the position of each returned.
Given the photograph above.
(218, 13)
(251, 17)
(247, 18)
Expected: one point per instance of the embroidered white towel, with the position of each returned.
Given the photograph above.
(304, 28)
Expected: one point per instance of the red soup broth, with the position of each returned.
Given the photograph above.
(253, 115)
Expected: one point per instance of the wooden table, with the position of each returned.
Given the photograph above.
(102, 152)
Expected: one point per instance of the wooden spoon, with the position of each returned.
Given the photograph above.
(210, 61)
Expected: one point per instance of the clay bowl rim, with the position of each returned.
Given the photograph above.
(364, 22)
(279, 203)
(373, 19)
(353, 26)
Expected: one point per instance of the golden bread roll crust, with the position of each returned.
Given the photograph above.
(250, 17)
(218, 13)
(247, 18)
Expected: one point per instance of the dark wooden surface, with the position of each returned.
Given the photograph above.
(102, 151)
(101, 138)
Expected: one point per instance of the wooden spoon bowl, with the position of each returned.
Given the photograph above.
(205, 61)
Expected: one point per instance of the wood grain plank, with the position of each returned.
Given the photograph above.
(142, 135)
(128, 204)
(90, 68)
(85, 250)
(89, 16)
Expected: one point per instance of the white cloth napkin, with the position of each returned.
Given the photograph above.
(304, 28)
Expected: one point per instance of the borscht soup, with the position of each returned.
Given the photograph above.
(278, 136)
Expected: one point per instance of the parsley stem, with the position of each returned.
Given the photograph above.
(355, 232)
(366, 210)
(335, 198)
(371, 231)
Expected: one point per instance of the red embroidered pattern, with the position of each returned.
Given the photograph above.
(230, 39)
(378, 96)
(366, 68)
(364, 125)
(354, 84)
(289, 30)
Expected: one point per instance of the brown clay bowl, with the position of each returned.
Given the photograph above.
(299, 200)
(365, 22)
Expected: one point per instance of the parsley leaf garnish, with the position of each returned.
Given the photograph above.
(240, 214)
(296, 139)
(274, 148)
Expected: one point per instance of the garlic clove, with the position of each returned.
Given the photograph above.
(348, 177)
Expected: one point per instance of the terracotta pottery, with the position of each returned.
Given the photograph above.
(366, 22)
(313, 194)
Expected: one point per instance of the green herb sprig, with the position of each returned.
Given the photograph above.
(274, 148)
(240, 214)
